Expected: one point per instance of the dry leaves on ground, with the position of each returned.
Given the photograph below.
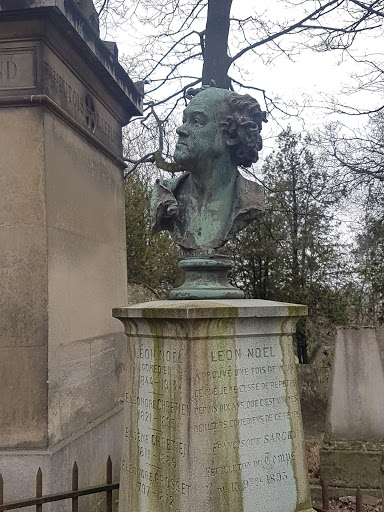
(348, 504)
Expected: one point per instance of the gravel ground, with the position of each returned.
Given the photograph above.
(348, 503)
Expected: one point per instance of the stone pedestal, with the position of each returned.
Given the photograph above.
(351, 452)
(212, 413)
(63, 101)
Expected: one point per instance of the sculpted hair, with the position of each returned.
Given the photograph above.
(242, 127)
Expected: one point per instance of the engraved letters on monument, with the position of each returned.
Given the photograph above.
(36, 70)
(213, 420)
(260, 427)
(71, 94)
(17, 68)
(8, 70)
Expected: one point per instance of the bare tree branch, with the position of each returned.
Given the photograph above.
(287, 30)
(368, 8)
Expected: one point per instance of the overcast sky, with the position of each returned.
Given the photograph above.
(308, 78)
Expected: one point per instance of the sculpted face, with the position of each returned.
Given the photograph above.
(200, 140)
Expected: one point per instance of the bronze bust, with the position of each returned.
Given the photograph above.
(211, 201)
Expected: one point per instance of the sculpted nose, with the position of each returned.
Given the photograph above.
(182, 130)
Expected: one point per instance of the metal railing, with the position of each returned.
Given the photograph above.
(39, 500)
(325, 498)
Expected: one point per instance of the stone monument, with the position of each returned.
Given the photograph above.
(64, 98)
(352, 448)
(212, 413)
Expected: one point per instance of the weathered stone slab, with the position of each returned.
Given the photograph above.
(23, 274)
(212, 413)
(23, 409)
(356, 408)
(34, 68)
(351, 451)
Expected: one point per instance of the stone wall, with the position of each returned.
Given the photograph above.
(63, 101)
(24, 280)
(86, 275)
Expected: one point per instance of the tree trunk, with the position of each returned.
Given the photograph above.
(216, 59)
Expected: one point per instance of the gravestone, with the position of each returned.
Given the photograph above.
(212, 412)
(64, 99)
(351, 452)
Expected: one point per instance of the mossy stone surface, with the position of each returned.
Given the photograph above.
(213, 420)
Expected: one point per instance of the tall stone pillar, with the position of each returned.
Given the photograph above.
(64, 99)
(212, 413)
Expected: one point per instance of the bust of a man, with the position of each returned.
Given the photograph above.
(211, 201)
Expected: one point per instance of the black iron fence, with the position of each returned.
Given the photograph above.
(73, 495)
(39, 500)
(325, 499)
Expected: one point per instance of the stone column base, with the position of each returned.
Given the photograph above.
(212, 412)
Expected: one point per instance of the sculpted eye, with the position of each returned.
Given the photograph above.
(197, 120)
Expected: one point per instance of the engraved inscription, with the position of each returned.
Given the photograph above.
(8, 70)
(74, 97)
(241, 404)
(17, 68)
(90, 113)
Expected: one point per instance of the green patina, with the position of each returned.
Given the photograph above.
(296, 311)
(156, 329)
(206, 278)
(217, 334)
(211, 201)
(189, 310)
(224, 332)
(133, 375)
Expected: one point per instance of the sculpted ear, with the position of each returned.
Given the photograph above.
(231, 138)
